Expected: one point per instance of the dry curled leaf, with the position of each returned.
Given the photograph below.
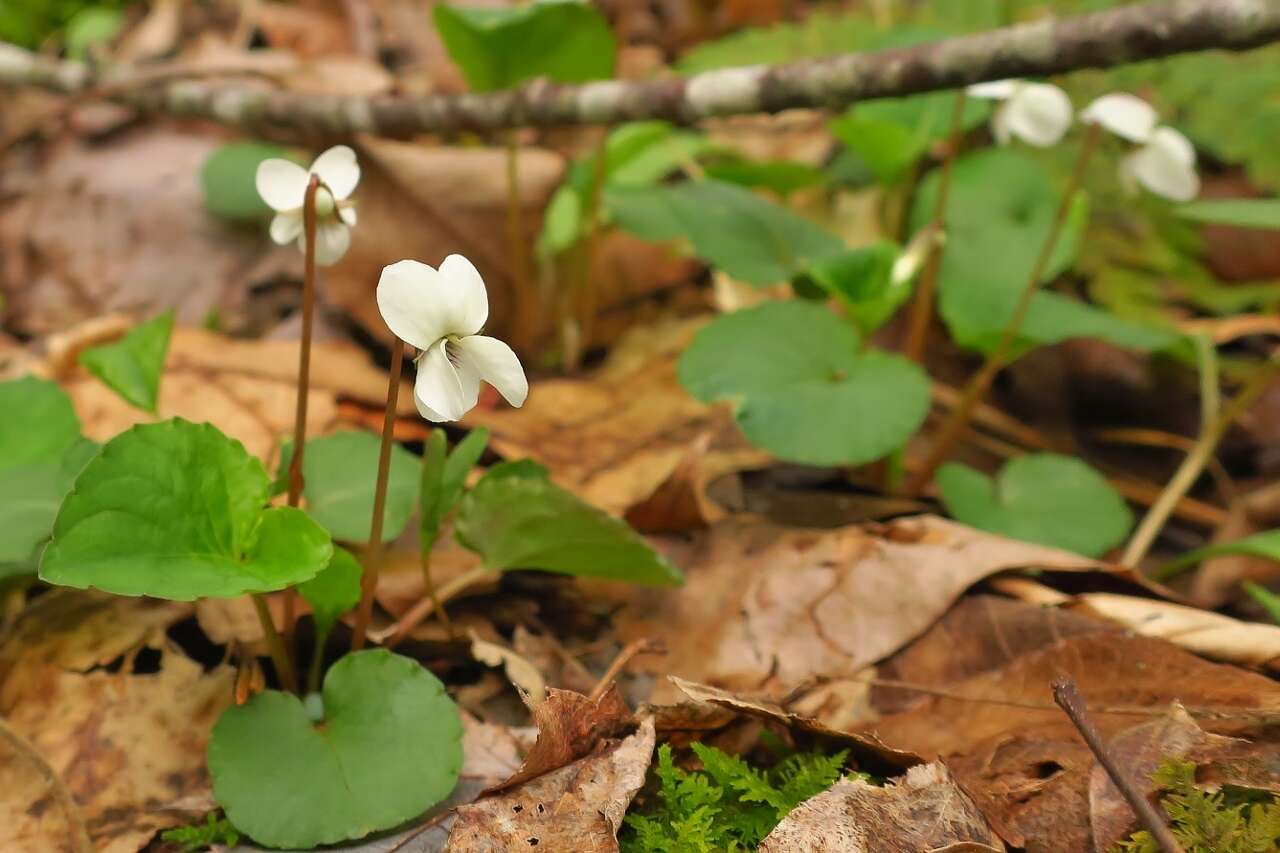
(575, 809)
(925, 810)
(523, 674)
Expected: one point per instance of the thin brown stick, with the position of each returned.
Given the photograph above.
(642, 646)
(1068, 697)
(922, 302)
(373, 552)
(77, 831)
(954, 429)
(304, 350)
(417, 614)
(1131, 32)
(429, 584)
(275, 643)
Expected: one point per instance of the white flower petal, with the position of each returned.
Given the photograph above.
(997, 90)
(465, 279)
(1125, 115)
(347, 212)
(1000, 124)
(1163, 170)
(282, 184)
(1174, 144)
(339, 170)
(495, 363)
(333, 238)
(1040, 114)
(420, 305)
(438, 390)
(286, 227)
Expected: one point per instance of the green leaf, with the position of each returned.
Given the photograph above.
(802, 388)
(443, 478)
(1265, 545)
(1242, 212)
(1044, 498)
(91, 26)
(334, 591)
(41, 452)
(132, 365)
(743, 234)
(177, 510)
(228, 179)
(1002, 205)
(1268, 599)
(524, 522)
(781, 176)
(890, 134)
(390, 748)
(340, 472)
(566, 41)
(861, 279)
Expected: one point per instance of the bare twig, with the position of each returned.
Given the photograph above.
(642, 646)
(1049, 46)
(373, 552)
(415, 615)
(1068, 697)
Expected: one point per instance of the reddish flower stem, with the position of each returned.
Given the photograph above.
(373, 552)
(957, 424)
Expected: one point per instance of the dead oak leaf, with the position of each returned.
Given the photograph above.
(925, 810)
(577, 808)
(765, 609)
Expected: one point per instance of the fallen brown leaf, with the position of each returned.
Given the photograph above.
(129, 748)
(575, 809)
(925, 810)
(570, 726)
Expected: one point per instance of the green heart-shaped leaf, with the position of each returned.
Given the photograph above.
(41, 451)
(519, 520)
(178, 510)
(1044, 498)
(390, 747)
(566, 41)
(801, 386)
(334, 591)
(890, 134)
(132, 366)
(340, 473)
(744, 234)
(229, 181)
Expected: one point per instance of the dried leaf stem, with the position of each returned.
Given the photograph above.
(373, 552)
(420, 611)
(1068, 697)
(922, 302)
(957, 423)
(1215, 420)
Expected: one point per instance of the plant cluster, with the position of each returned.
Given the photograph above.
(727, 805)
(1204, 822)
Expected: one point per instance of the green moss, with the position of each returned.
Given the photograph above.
(1229, 821)
(201, 836)
(728, 806)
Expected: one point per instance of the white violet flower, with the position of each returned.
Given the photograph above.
(440, 312)
(1037, 113)
(1166, 161)
(283, 186)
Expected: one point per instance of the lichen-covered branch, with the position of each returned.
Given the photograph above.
(1103, 39)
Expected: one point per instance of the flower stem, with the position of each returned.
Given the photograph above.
(279, 655)
(317, 659)
(524, 300)
(922, 304)
(1215, 420)
(373, 552)
(304, 377)
(954, 428)
(580, 310)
